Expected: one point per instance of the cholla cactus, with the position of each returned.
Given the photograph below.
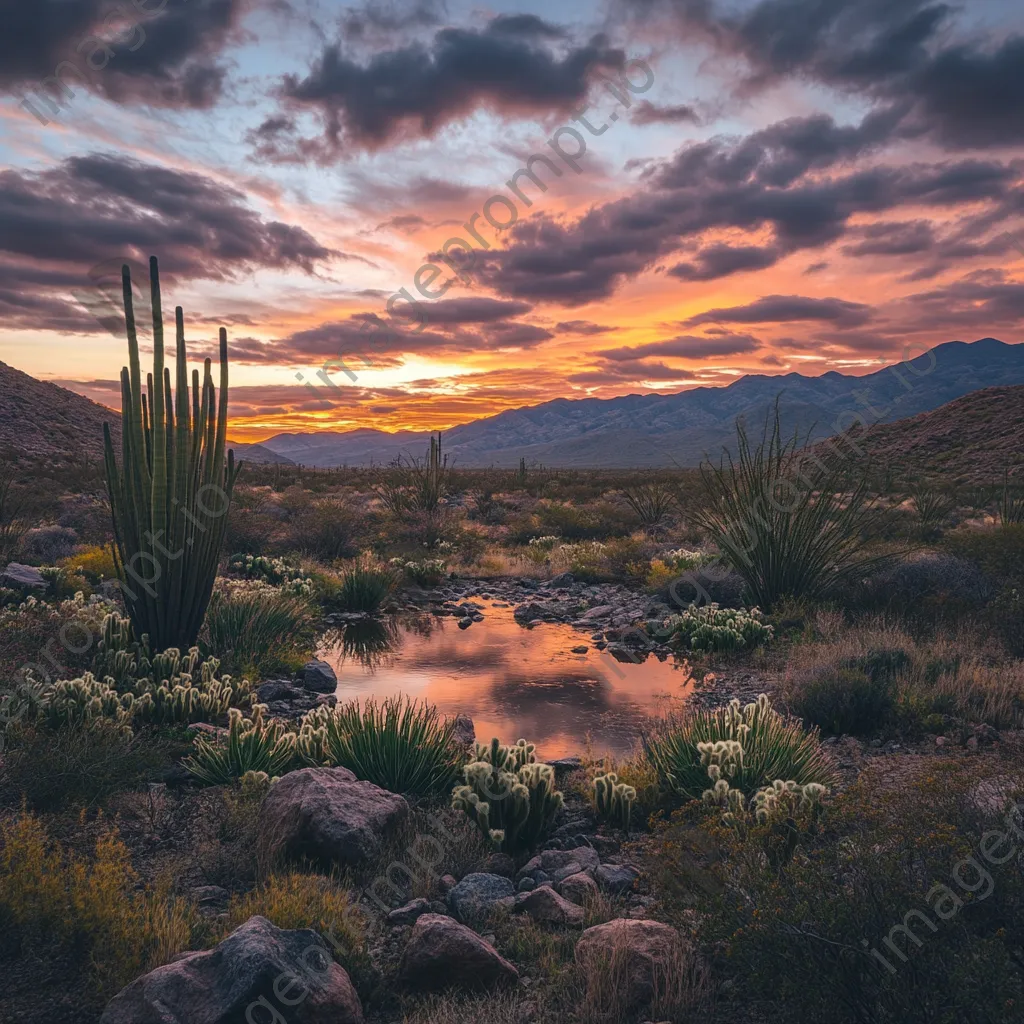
(723, 758)
(86, 703)
(252, 745)
(710, 628)
(614, 799)
(509, 795)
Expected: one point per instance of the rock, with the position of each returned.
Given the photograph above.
(529, 612)
(410, 913)
(581, 649)
(578, 888)
(210, 895)
(616, 878)
(22, 577)
(325, 814)
(465, 622)
(318, 676)
(566, 870)
(447, 883)
(544, 905)
(561, 580)
(600, 612)
(478, 894)
(259, 972)
(443, 953)
(564, 765)
(277, 689)
(526, 884)
(499, 864)
(651, 952)
(553, 861)
(465, 731)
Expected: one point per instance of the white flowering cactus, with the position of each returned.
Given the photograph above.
(711, 628)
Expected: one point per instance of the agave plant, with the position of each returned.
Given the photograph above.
(400, 745)
(252, 745)
(169, 497)
(749, 746)
(364, 587)
(789, 528)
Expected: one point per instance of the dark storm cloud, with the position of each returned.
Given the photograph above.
(158, 52)
(773, 183)
(686, 346)
(964, 93)
(780, 309)
(892, 239)
(473, 309)
(57, 224)
(418, 89)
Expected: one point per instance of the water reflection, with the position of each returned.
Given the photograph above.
(512, 681)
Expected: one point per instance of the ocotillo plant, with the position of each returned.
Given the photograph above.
(170, 496)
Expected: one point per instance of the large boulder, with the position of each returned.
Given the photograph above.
(443, 953)
(579, 889)
(645, 952)
(478, 894)
(318, 676)
(258, 973)
(22, 577)
(328, 816)
(545, 906)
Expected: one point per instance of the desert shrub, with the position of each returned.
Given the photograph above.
(628, 558)
(933, 583)
(847, 702)
(78, 767)
(365, 587)
(52, 638)
(251, 745)
(327, 529)
(63, 583)
(999, 551)
(424, 572)
(710, 628)
(256, 629)
(399, 744)
(933, 508)
(95, 563)
(770, 747)
(569, 521)
(278, 572)
(509, 796)
(93, 906)
(250, 525)
(885, 914)
(652, 503)
(788, 528)
(711, 582)
(47, 545)
(586, 560)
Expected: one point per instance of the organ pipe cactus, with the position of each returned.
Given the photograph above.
(170, 495)
(614, 799)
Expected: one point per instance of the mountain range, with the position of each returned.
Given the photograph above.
(38, 418)
(680, 429)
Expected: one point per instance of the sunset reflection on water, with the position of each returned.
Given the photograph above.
(511, 680)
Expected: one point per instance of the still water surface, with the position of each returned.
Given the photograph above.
(511, 680)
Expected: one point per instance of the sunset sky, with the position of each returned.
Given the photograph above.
(767, 186)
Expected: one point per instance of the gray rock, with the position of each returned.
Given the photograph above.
(410, 913)
(277, 689)
(210, 896)
(581, 649)
(447, 883)
(445, 954)
(616, 878)
(561, 580)
(602, 611)
(318, 676)
(478, 894)
(465, 622)
(578, 889)
(566, 870)
(325, 814)
(22, 577)
(526, 884)
(465, 731)
(545, 905)
(554, 860)
(530, 612)
(244, 977)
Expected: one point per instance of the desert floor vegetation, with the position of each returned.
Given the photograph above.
(845, 846)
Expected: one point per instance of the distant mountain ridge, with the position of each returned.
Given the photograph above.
(680, 429)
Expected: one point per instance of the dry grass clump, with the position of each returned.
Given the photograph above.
(952, 675)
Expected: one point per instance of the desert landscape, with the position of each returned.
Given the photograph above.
(619, 622)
